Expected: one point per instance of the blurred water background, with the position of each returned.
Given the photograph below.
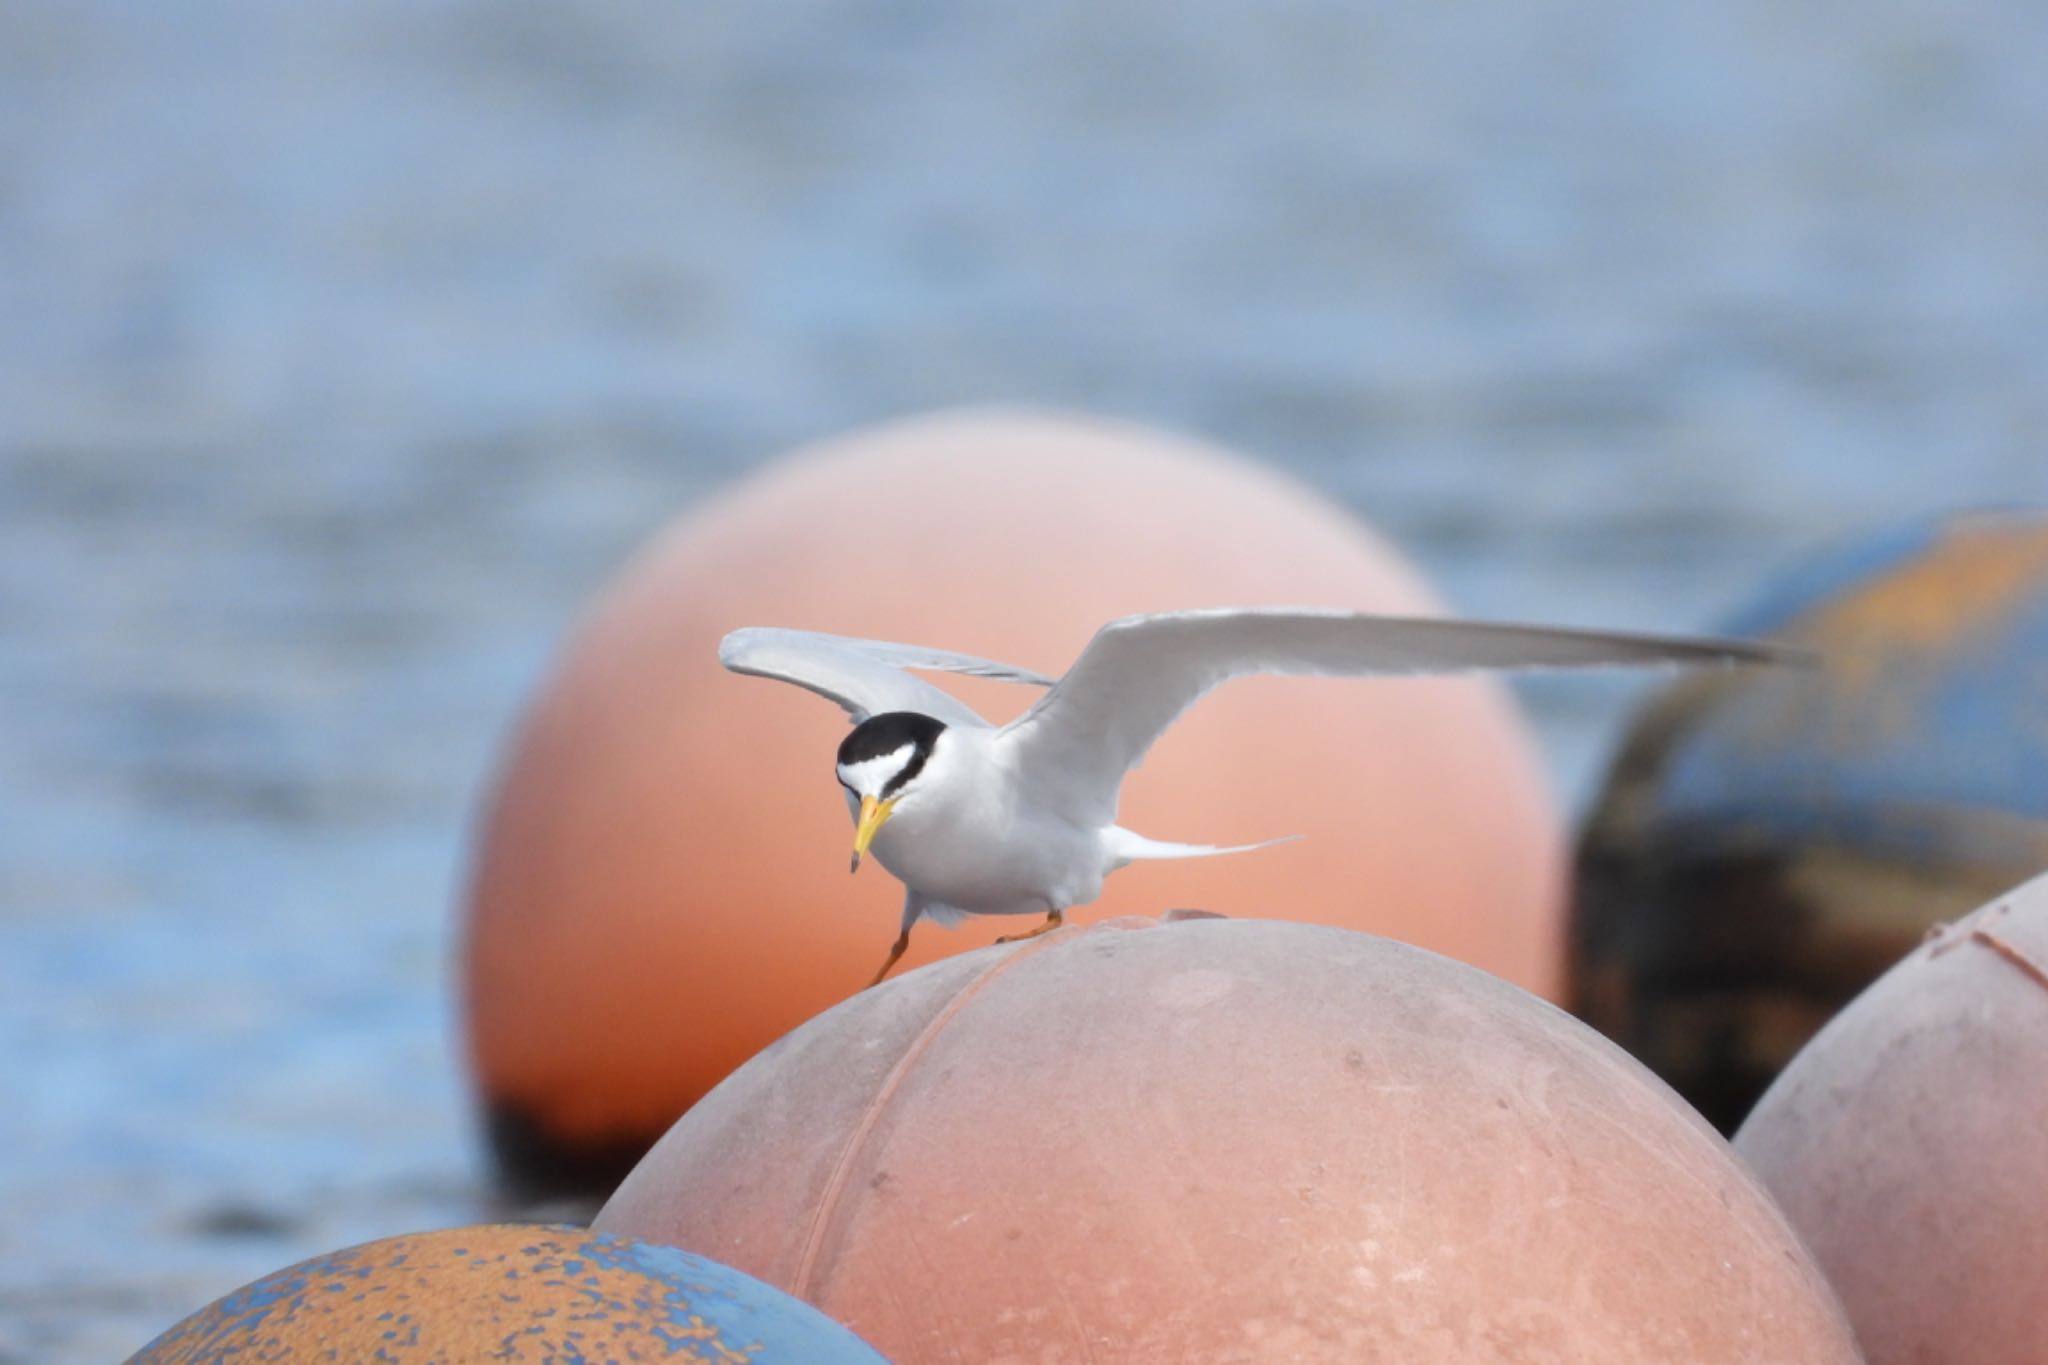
(345, 348)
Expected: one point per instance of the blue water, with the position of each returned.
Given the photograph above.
(346, 348)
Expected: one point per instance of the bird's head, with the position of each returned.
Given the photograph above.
(879, 762)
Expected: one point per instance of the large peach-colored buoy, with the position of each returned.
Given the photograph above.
(661, 886)
(1231, 1140)
(507, 1293)
(1908, 1143)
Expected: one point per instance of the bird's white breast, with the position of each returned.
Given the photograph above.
(961, 834)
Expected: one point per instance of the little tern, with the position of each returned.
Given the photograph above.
(979, 820)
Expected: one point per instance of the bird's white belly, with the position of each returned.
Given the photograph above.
(979, 857)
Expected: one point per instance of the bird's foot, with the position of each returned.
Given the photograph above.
(895, 954)
(1053, 920)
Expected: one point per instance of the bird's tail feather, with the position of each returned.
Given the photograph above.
(1124, 846)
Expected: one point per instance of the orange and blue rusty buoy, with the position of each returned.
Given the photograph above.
(1767, 843)
(507, 1292)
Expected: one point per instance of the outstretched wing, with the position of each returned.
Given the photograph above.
(1072, 749)
(865, 677)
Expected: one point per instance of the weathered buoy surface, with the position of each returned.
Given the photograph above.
(660, 885)
(1769, 841)
(504, 1292)
(1908, 1143)
(1230, 1140)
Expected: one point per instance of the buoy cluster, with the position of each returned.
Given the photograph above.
(1337, 1114)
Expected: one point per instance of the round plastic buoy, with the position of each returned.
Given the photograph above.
(508, 1293)
(1908, 1144)
(1770, 840)
(1228, 1140)
(661, 887)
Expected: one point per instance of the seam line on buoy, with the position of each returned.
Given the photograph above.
(2029, 968)
(835, 1184)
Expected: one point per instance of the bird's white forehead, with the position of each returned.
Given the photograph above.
(870, 775)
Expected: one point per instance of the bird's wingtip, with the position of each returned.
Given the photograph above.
(734, 645)
(1779, 655)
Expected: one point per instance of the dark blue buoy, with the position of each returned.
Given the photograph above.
(1768, 842)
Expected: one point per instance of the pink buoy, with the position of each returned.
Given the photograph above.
(1231, 1140)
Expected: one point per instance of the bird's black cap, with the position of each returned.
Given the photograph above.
(885, 734)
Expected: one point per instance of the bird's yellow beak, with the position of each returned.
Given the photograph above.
(872, 815)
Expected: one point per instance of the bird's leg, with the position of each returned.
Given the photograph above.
(1053, 920)
(895, 953)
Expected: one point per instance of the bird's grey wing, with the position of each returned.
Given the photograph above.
(865, 677)
(1138, 674)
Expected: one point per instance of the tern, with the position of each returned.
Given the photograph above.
(976, 819)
